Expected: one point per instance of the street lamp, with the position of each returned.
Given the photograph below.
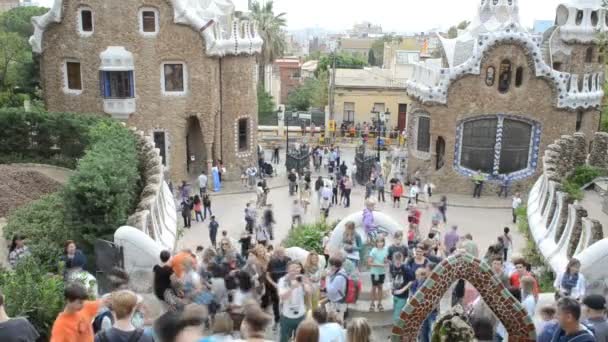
(377, 132)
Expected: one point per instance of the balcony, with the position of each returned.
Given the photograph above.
(119, 109)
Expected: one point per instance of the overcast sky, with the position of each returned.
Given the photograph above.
(393, 15)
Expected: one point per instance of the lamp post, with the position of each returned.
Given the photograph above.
(377, 132)
(286, 118)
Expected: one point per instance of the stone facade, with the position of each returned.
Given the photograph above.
(198, 126)
(464, 266)
(551, 102)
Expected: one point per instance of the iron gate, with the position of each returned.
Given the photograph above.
(298, 159)
(107, 256)
(365, 163)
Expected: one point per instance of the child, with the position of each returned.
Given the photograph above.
(412, 236)
(213, 227)
(402, 279)
(397, 193)
(397, 246)
(377, 262)
(547, 316)
(507, 243)
(198, 208)
(421, 274)
(296, 214)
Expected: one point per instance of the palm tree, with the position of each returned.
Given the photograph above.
(270, 28)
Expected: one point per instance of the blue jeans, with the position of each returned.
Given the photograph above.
(427, 327)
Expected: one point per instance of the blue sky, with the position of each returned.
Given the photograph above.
(393, 15)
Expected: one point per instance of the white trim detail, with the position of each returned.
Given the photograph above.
(162, 79)
(116, 58)
(223, 33)
(79, 22)
(64, 69)
(140, 19)
(245, 153)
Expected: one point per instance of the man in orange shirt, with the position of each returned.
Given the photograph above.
(177, 262)
(521, 270)
(74, 324)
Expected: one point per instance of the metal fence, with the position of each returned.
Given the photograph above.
(107, 256)
(298, 159)
(365, 160)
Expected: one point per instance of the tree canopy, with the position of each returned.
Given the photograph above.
(313, 93)
(270, 28)
(343, 61)
(453, 31)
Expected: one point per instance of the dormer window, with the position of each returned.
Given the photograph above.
(85, 21)
(148, 21)
(589, 55)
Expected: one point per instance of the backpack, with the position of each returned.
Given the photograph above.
(353, 289)
(99, 320)
(135, 336)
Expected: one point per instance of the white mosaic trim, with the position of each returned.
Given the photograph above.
(431, 86)
(223, 33)
(248, 152)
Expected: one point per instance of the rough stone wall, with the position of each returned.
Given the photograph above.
(464, 266)
(563, 218)
(599, 151)
(470, 97)
(116, 24)
(597, 232)
(577, 229)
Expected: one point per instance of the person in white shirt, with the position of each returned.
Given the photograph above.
(326, 194)
(515, 204)
(413, 195)
(527, 295)
(202, 183)
(293, 289)
(328, 331)
(571, 283)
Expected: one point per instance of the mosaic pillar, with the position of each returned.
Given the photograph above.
(498, 146)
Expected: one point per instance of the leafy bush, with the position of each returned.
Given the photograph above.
(31, 292)
(584, 175)
(43, 224)
(573, 190)
(105, 187)
(309, 236)
(532, 255)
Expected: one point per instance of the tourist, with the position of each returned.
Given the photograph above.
(353, 173)
(328, 331)
(397, 192)
(292, 177)
(236, 300)
(74, 322)
(181, 326)
(198, 208)
(213, 228)
(380, 183)
(425, 331)
(277, 268)
(222, 328)
(336, 287)
(413, 236)
(507, 243)
(250, 217)
(252, 172)
(334, 190)
(228, 255)
(571, 283)
(124, 304)
(18, 250)
(326, 196)
(521, 271)
(504, 186)
(527, 295)
(305, 194)
(254, 324)
(377, 262)
(568, 327)
(186, 208)
(293, 289)
(468, 246)
(202, 183)
(296, 214)
(17, 329)
(499, 271)
(515, 204)
(72, 258)
(547, 318)
(308, 331)
(478, 180)
(313, 272)
(184, 191)
(343, 168)
(594, 307)
(369, 188)
(413, 194)
(401, 280)
(414, 215)
(369, 224)
(217, 178)
(326, 247)
(451, 239)
(259, 192)
(398, 246)
(358, 331)
(268, 221)
(352, 243)
(419, 260)
(348, 187)
(261, 235)
(162, 275)
(483, 329)
(443, 208)
(275, 154)
(319, 188)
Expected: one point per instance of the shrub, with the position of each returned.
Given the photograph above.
(43, 223)
(532, 254)
(573, 190)
(32, 293)
(584, 175)
(309, 236)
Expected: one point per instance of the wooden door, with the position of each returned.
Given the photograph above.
(402, 118)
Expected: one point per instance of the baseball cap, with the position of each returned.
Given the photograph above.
(595, 302)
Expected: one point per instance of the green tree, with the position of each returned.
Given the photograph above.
(453, 31)
(13, 53)
(371, 60)
(378, 47)
(266, 108)
(313, 93)
(270, 27)
(343, 61)
(19, 20)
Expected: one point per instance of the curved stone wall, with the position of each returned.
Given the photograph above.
(560, 227)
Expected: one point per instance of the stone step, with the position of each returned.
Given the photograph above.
(362, 306)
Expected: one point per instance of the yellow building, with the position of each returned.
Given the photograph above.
(360, 93)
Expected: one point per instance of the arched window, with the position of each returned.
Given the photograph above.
(594, 18)
(519, 76)
(579, 120)
(589, 55)
(579, 17)
(490, 76)
(504, 78)
(423, 142)
(488, 146)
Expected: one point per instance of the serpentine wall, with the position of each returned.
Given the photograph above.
(559, 225)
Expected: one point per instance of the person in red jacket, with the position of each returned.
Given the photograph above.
(397, 193)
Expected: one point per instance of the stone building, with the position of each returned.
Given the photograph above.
(182, 71)
(503, 94)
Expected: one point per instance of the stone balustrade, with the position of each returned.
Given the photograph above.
(561, 228)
